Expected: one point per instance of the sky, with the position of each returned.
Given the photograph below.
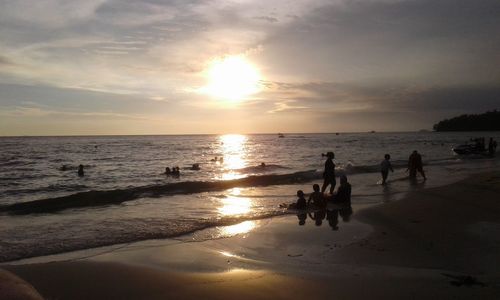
(140, 67)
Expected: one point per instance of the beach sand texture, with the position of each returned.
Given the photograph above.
(440, 242)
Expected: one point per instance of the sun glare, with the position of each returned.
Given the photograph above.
(232, 78)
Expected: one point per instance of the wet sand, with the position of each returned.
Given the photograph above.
(441, 242)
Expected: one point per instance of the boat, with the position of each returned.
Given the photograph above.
(468, 149)
(281, 135)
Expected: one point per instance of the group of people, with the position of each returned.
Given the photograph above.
(318, 199)
(414, 165)
(175, 171)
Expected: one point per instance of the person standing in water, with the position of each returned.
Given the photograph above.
(80, 170)
(329, 173)
(415, 164)
(385, 166)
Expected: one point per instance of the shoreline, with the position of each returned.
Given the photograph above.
(429, 243)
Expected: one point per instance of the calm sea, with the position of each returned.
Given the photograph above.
(125, 195)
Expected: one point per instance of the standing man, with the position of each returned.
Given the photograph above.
(415, 164)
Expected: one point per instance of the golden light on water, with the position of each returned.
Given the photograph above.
(234, 153)
(243, 227)
(232, 78)
(232, 206)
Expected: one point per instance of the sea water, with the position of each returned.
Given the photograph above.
(125, 196)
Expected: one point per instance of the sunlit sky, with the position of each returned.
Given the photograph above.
(175, 67)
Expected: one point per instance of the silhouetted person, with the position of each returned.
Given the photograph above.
(262, 165)
(195, 167)
(492, 146)
(168, 171)
(415, 164)
(333, 218)
(317, 197)
(176, 171)
(343, 195)
(301, 201)
(80, 170)
(64, 168)
(302, 218)
(385, 166)
(329, 173)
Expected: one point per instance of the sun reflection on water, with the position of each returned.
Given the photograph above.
(240, 228)
(234, 152)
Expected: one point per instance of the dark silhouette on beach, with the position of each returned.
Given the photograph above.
(333, 218)
(385, 166)
(80, 171)
(329, 173)
(492, 146)
(317, 198)
(343, 195)
(301, 201)
(302, 216)
(318, 216)
(415, 164)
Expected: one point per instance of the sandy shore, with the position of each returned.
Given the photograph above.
(441, 242)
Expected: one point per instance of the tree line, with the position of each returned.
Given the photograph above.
(488, 121)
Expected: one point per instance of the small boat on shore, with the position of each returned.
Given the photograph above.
(468, 148)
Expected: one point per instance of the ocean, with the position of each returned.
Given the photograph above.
(124, 197)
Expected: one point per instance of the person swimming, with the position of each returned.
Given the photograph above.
(168, 171)
(195, 167)
(80, 171)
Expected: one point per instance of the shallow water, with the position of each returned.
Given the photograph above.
(149, 204)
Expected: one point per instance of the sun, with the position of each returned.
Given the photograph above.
(232, 78)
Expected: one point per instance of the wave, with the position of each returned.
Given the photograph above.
(129, 232)
(261, 169)
(117, 196)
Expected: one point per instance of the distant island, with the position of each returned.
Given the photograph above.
(488, 121)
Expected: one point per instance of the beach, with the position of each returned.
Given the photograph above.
(436, 242)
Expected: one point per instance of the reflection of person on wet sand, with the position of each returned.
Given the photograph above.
(302, 218)
(318, 216)
(333, 218)
(329, 173)
(415, 164)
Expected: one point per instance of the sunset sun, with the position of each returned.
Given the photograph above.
(232, 78)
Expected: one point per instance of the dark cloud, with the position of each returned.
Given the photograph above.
(267, 19)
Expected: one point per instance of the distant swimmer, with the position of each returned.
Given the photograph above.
(415, 164)
(343, 195)
(168, 171)
(385, 166)
(80, 170)
(195, 167)
(63, 168)
(176, 171)
(329, 173)
(262, 165)
(317, 198)
(215, 159)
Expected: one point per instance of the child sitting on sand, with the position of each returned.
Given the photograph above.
(343, 195)
(301, 202)
(317, 197)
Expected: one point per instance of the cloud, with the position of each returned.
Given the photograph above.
(267, 19)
